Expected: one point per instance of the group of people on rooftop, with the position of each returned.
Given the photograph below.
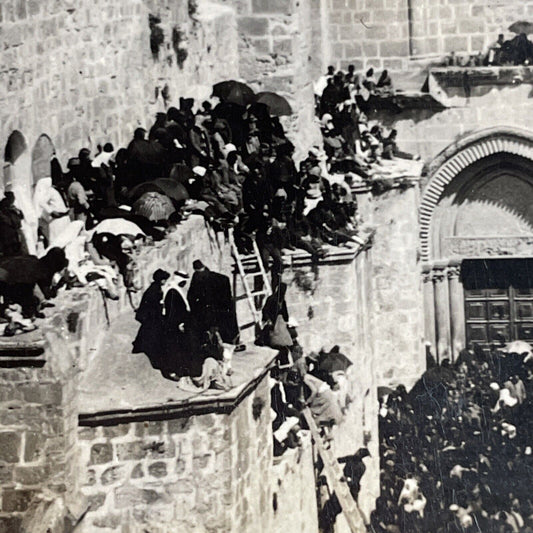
(354, 146)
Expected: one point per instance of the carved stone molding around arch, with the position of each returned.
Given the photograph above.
(466, 151)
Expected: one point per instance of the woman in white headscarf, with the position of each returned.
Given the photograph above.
(50, 209)
(177, 361)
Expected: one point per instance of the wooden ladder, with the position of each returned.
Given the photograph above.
(356, 520)
(256, 298)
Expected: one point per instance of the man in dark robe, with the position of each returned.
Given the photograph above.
(11, 240)
(178, 361)
(150, 336)
(211, 305)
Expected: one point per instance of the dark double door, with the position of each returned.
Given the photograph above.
(498, 300)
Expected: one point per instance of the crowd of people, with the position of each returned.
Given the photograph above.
(227, 159)
(354, 146)
(455, 451)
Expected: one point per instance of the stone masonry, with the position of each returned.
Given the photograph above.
(206, 473)
(84, 72)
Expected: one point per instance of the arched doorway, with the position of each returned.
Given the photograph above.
(18, 178)
(41, 158)
(477, 242)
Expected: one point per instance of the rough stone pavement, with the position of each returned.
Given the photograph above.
(118, 379)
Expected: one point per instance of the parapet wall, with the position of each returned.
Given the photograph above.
(338, 310)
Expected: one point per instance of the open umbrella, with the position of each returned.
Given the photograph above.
(154, 206)
(278, 105)
(172, 188)
(521, 26)
(118, 226)
(519, 347)
(334, 361)
(167, 186)
(234, 92)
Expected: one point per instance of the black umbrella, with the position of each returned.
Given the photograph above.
(234, 92)
(333, 361)
(521, 26)
(278, 105)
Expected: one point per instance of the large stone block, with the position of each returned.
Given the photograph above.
(15, 500)
(253, 26)
(456, 44)
(9, 446)
(272, 6)
(394, 48)
(101, 453)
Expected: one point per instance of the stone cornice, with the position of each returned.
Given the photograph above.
(215, 402)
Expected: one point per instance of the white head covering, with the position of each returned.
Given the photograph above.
(199, 170)
(178, 281)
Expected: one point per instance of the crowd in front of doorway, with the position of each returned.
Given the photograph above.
(456, 451)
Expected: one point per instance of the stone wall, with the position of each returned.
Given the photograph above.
(277, 53)
(83, 72)
(390, 33)
(205, 473)
(338, 311)
(39, 406)
(294, 490)
(398, 304)
(369, 33)
(463, 26)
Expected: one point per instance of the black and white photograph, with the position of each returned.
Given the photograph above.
(266, 266)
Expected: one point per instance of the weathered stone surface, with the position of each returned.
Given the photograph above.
(158, 469)
(16, 500)
(9, 446)
(101, 453)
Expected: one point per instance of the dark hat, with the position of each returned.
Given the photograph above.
(160, 275)
(198, 265)
(84, 153)
(73, 162)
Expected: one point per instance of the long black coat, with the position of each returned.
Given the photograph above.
(212, 305)
(178, 357)
(150, 336)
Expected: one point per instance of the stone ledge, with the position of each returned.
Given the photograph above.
(250, 368)
(477, 76)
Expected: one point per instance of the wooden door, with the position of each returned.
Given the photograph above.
(498, 301)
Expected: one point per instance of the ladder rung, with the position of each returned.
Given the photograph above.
(259, 293)
(247, 325)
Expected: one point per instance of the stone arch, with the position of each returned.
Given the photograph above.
(456, 158)
(477, 208)
(17, 178)
(41, 156)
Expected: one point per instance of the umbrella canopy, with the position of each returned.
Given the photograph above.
(167, 186)
(519, 347)
(148, 186)
(154, 206)
(118, 226)
(172, 188)
(234, 92)
(521, 26)
(334, 361)
(278, 105)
